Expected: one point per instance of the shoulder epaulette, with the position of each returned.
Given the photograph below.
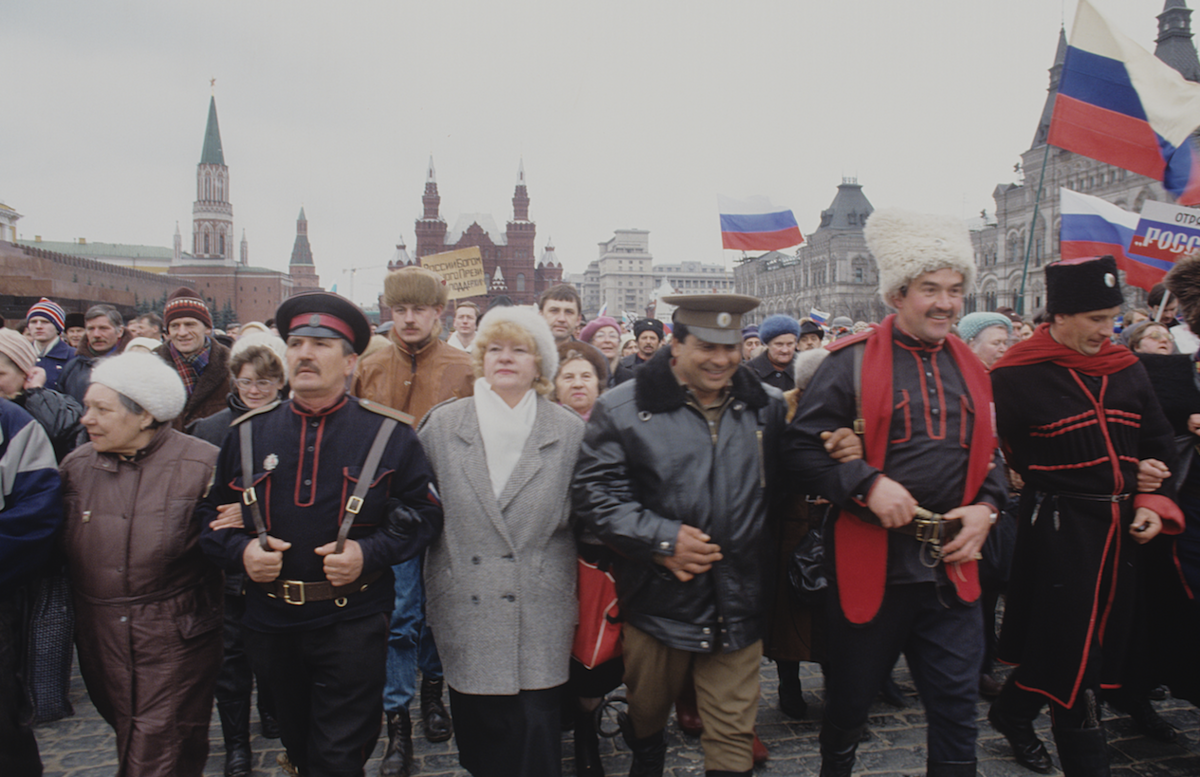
(384, 410)
(257, 411)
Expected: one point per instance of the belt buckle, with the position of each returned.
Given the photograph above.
(928, 529)
(287, 588)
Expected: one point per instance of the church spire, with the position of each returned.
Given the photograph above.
(520, 196)
(212, 153)
(1175, 45)
(1060, 56)
(431, 199)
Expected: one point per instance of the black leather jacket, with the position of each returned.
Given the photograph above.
(647, 466)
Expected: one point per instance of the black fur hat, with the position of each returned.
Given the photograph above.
(1080, 285)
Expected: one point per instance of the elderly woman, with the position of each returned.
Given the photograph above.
(147, 603)
(604, 334)
(256, 366)
(1150, 337)
(987, 335)
(500, 581)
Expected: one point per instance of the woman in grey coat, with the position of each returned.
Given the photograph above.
(500, 581)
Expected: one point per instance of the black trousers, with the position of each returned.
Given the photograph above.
(236, 680)
(18, 749)
(941, 637)
(327, 684)
(509, 736)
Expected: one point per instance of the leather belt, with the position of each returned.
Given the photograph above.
(933, 527)
(1090, 497)
(299, 592)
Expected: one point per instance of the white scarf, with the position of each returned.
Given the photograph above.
(504, 430)
(41, 352)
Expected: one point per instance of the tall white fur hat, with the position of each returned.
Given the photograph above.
(532, 322)
(146, 379)
(906, 245)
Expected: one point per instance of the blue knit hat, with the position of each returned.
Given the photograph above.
(777, 325)
(972, 324)
(749, 331)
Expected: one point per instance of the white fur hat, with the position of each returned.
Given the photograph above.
(264, 339)
(146, 379)
(907, 244)
(532, 322)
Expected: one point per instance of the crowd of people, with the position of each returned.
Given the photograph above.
(525, 513)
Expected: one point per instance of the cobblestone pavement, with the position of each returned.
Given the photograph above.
(83, 745)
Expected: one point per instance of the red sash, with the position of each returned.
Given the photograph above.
(860, 548)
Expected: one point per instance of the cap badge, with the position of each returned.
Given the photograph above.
(1109, 280)
(724, 319)
(270, 462)
(314, 320)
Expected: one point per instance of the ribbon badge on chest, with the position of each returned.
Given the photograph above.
(270, 462)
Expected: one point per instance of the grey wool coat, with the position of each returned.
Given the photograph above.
(500, 581)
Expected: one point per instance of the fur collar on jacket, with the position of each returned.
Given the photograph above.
(656, 390)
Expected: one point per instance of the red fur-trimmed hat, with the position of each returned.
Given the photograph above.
(186, 303)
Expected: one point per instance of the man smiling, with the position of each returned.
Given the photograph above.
(202, 363)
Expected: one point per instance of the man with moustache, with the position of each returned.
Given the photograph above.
(325, 468)
(1076, 415)
(922, 401)
(417, 372)
(202, 362)
(649, 333)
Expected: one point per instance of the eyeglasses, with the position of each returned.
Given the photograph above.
(260, 384)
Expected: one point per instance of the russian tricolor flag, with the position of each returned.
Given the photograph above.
(1094, 227)
(1120, 104)
(756, 225)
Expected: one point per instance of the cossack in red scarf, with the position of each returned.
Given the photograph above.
(1041, 347)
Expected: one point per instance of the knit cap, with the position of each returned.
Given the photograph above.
(51, 310)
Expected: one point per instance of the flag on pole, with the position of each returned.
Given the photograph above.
(603, 310)
(818, 316)
(757, 225)
(1094, 227)
(1120, 104)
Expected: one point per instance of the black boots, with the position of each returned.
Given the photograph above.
(1012, 715)
(649, 753)
(791, 692)
(587, 745)
(438, 727)
(1083, 751)
(838, 747)
(235, 727)
(397, 759)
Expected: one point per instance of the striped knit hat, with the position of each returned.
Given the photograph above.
(186, 303)
(51, 310)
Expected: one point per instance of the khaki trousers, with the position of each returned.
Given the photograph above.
(726, 695)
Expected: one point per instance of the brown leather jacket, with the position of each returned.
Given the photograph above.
(147, 602)
(211, 391)
(414, 383)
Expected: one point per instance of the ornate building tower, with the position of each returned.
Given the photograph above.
(212, 214)
(1175, 45)
(520, 234)
(304, 275)
(431, 227)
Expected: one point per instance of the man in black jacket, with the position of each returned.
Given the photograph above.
(674, 475)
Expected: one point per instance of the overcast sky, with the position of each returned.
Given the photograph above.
(627, 114)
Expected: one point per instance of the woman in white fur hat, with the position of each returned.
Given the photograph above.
(147, 603)
(500, 581)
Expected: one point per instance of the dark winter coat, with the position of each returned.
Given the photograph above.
(147, 602)
(768, 373)
(648, 465)
(77, 375)
(55, 361)
(1073, 578)
(211, 389)
(58, 414)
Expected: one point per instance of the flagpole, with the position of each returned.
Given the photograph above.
(1032, 228)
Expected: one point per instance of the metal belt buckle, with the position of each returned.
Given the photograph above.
(928, 529)
(287, 589)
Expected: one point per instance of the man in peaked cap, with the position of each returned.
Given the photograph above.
(47, 320)
(927, 443)
(201, 361)
(416, 372)
(673, 475)
(1076, 415)
(331, 521)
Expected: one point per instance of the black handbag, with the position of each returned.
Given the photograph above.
(808, 575)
